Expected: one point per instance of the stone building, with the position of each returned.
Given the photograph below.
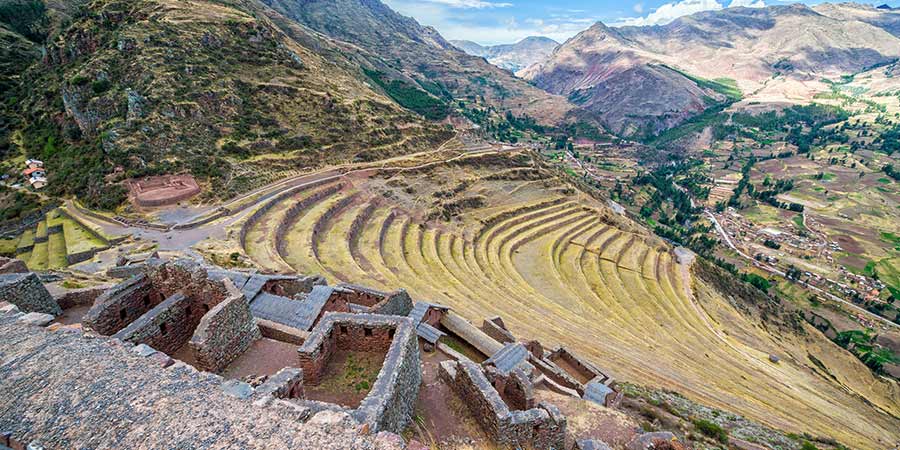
(176, 308)
(67, 391)
(391, 400)
(509, 421)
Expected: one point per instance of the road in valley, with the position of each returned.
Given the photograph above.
(778, 272)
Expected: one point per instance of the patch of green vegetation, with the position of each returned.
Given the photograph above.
(725, 86)
(862, 344)
(26, 17)
(710, 117)
(410, 96)
(890, 238)
(8, 247)
(757, 281)
(808, 446)
(16, 204)
(712, 430)
(884, 181)
(798, 220)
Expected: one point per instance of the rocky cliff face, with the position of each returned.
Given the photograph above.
(512, 57)
(651, 78)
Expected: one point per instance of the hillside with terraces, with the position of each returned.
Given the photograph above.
(58, 240)
(499, 233)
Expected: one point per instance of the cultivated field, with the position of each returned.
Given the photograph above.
(501, 234)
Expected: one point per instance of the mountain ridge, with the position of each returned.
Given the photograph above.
(602, 66)
(512, 57)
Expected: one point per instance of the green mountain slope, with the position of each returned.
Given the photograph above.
(208, 87)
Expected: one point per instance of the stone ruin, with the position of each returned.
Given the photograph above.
(390, 402)
(26, 291)
(162, 190)
(11, 265)
(174, 307)
(187, 317)
(203, 317)
(508, 422)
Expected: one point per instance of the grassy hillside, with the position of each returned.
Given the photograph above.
(488, 236)
(156, 86)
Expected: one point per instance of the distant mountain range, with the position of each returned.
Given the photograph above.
(642, 80)
(512, 57)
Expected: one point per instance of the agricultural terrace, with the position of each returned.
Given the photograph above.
(503, 235)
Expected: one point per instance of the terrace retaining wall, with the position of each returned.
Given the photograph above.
(81, 297)
(261, 211)
(26, 291)
(224, 333)
(293, 213)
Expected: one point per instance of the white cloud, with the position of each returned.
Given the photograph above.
(671, 11)
(638, 8)
(747, 3)
(470, 4)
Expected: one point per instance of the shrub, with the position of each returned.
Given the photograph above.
(100, 86)
(78, 80)
(711, 429)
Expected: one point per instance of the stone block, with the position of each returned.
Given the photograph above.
(38, 319)
(224, 333)
(143, 350)
(237, 389)
(8, 308)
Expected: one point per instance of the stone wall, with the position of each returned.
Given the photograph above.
(282, 333)
(286, 384)
(390, 403)
(516, 389)
(121, 305)
(497, 332)
(12, 265)
(349, 335)
(397, 303)
(26, 291)
(289, 287)
(224, 333)
(540, 427)
(166, 327)
(189, 278)
(81, 297)
(585, 369)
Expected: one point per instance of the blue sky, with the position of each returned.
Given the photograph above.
(492, 22)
